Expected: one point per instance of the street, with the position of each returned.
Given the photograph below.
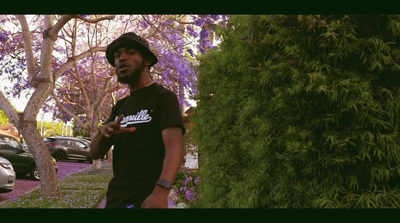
(23, 184)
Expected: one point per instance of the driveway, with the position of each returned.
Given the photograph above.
(24, 185)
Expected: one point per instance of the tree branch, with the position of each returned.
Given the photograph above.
(37, 99)
(9, 110)
(75, 117)
(62, 69)
(28, 48)
(81, 87)
(53, 31)
(97, 19)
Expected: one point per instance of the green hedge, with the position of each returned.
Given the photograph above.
(301, 111)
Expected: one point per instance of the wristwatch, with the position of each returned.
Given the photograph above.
(164, 184)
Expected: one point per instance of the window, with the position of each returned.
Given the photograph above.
(80, 145)
(8, 144)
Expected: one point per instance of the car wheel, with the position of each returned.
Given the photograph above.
(60, 156)
(34, 174)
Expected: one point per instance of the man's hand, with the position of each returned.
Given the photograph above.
(114, 128)
(157, 199)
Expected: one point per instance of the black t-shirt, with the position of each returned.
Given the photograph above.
(138, 157)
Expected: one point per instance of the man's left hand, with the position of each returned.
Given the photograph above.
(157, 199)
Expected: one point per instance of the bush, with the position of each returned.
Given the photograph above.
(301, 111)
(186, 188)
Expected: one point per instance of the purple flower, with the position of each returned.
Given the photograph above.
(188, 195)
(183, 188)
(190, 51)
(3, 37)
(204, 33)
(215, 17)
(191, 31)
(315, 20)
(199, 22)
(144, 24)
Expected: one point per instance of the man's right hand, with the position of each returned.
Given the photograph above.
(114, 128)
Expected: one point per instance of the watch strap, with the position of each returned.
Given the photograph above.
(164, 184)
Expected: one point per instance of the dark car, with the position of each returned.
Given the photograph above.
(69, 148)
(22, 160)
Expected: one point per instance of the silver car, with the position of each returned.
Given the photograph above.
(7, 176)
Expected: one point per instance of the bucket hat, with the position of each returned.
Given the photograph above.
(132, 40)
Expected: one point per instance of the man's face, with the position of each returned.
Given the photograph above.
(129, 64)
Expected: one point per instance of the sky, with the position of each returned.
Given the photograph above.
(20, 103)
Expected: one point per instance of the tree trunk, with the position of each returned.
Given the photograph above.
(48, 177)
(96, 163)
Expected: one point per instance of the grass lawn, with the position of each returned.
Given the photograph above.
(84, 189)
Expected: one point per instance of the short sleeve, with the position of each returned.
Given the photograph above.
(114, 110)
(169, 112)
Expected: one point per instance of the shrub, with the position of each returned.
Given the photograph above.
(186, 187)
(301, 111)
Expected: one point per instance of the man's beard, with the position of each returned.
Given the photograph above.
(133, 78)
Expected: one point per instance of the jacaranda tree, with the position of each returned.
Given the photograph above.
(301, 111)
(27, 46)
(87, 91)
(63, 56)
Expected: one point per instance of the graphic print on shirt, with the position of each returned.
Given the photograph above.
(140, 117)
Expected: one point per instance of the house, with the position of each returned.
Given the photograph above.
(9, 129)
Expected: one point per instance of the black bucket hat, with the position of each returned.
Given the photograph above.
(132, 40)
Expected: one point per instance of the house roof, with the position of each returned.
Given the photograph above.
(2, 132)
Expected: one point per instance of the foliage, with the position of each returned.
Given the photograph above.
(301, 111)
(79, 132)
(3, 118)
(84, 189)
(186, 187)
(49, 128)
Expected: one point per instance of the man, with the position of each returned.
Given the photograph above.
(145, 128)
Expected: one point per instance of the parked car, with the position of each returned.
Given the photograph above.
(21, 160)
(69, 148)
(7, 176)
